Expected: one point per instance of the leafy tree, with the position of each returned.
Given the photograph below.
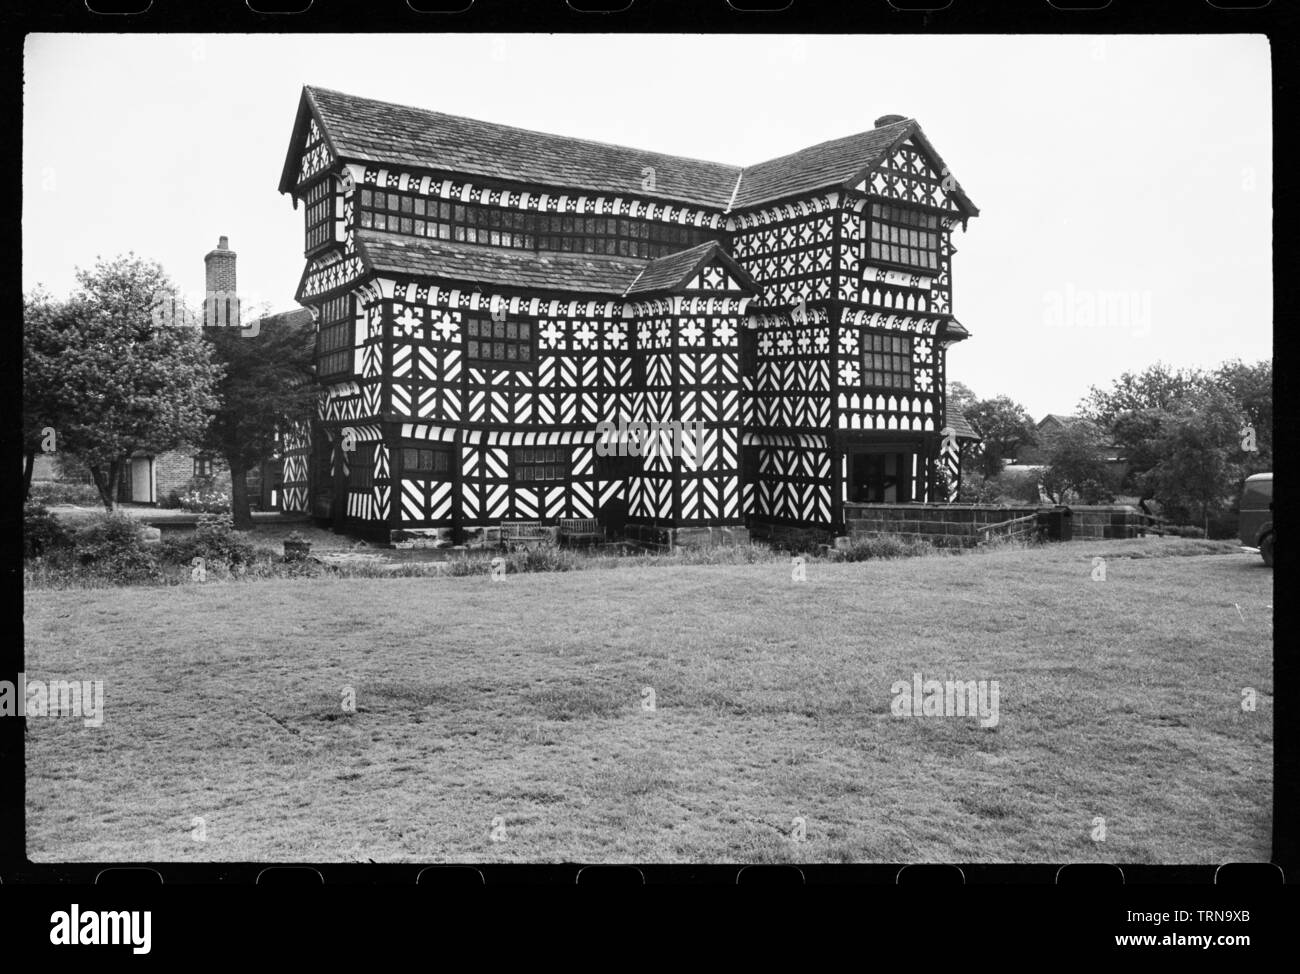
(1004, 427)
(1139, 436)
(266, 385)
(1200, 465)
(960, 396)
(1076, 465)
(109, 377)
(1250, 387)
(44, 318)
(1139, 409)
(1155, 387)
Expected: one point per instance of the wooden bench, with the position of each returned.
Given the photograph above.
(581, 529)
(525, 534)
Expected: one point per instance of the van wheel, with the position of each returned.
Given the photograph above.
(1266, 549)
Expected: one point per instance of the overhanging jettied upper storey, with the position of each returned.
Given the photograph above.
(476, 283)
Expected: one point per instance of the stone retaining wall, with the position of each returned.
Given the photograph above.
(1107, 521)
(961, 523)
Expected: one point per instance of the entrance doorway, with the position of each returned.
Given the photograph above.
(881, 478)
(141, 474)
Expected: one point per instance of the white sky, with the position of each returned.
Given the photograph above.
(1134, 167)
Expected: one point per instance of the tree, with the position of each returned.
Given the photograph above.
(44, 318)
(1155, 387)
(267, 385)
(113, 379)
(1200, 465)
(1003, 426)
(960, 396)
(1139, 436)
(1250, 387)
(1139, 409)
(1076, 465)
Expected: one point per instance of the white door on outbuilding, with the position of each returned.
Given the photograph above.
(142, 484)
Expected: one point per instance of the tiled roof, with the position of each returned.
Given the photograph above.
(666, 272)
(674, 270)
(955, 330)
(829, 164)
(366, 130)
(369, 131)
(586, 273)
(297, 317)
(1059, 419)
(580, 273)
(960, 425)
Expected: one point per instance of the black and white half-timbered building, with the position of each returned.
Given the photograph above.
(490, 300)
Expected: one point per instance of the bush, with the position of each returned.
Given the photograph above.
(42, 531)
(1021, 487)
(61, 492)
(723, 554)
(942, 483)
(1224, 527)
(977, 489)
(545, 557)
(1185, 531)
(881, 546)
(214, 540)
(113, 545)
(202, 495)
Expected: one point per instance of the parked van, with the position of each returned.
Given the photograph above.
(1256, 519)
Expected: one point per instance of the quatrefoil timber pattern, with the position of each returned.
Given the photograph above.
(513, 293)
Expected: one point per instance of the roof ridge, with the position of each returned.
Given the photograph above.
(826, 142)
(520, 128)
(360, 128)
(740, 170)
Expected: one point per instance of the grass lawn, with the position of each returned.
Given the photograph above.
(506, 721)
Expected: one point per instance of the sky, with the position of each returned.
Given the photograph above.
(1124, 182)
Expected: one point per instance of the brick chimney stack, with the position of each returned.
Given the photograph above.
(221, 304)
(220, 264)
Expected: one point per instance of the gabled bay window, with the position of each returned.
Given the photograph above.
(903, 235)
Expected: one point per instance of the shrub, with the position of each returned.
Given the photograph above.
(882, 546)
(942, 482)
(977, 489)
(302, 568)
(202, 495)
(42, 531)
(214, 540)
(809, 542)
(1224, 527)
(62, 492)
(1185, 531)
(462, 566)
(113, 545)
(740, 554)
(545, 557)
(1020, 487)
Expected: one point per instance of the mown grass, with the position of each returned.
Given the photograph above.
(524, 702)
